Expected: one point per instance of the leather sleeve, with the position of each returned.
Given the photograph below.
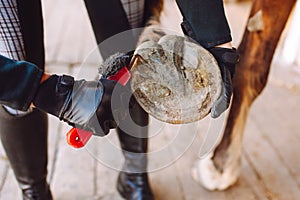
(205, 21)
(19, 81)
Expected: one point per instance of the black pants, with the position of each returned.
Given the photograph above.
(107, 18)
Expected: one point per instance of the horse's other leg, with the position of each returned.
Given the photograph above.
(222, 168)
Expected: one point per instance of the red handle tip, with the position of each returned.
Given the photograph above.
(77, 138)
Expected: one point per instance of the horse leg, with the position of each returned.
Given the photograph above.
(222, 167)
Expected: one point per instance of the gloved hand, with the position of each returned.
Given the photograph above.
(79, 103)
(227, 60)
(84, 104)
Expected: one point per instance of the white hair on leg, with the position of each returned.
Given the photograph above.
(221, 168)
(205, 173)
(211, 177)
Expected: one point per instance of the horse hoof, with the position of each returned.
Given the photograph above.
(175, 80)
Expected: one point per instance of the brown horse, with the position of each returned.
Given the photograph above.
(221, 168)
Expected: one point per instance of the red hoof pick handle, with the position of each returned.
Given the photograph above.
(77, 138)
(122, 76)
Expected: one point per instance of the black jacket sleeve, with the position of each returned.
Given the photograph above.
(19, 81)
(205, 21)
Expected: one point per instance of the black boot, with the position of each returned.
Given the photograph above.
(25, 142)
(133, 181)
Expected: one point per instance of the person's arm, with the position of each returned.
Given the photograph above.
(205, 22)
(18, 81)
(82, 104)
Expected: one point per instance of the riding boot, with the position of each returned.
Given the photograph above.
(133, 181)
(24, 139)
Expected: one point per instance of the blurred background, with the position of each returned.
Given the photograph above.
(271, 161)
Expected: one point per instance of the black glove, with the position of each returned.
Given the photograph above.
(77, 102)
(84, 104)
(227, 60)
